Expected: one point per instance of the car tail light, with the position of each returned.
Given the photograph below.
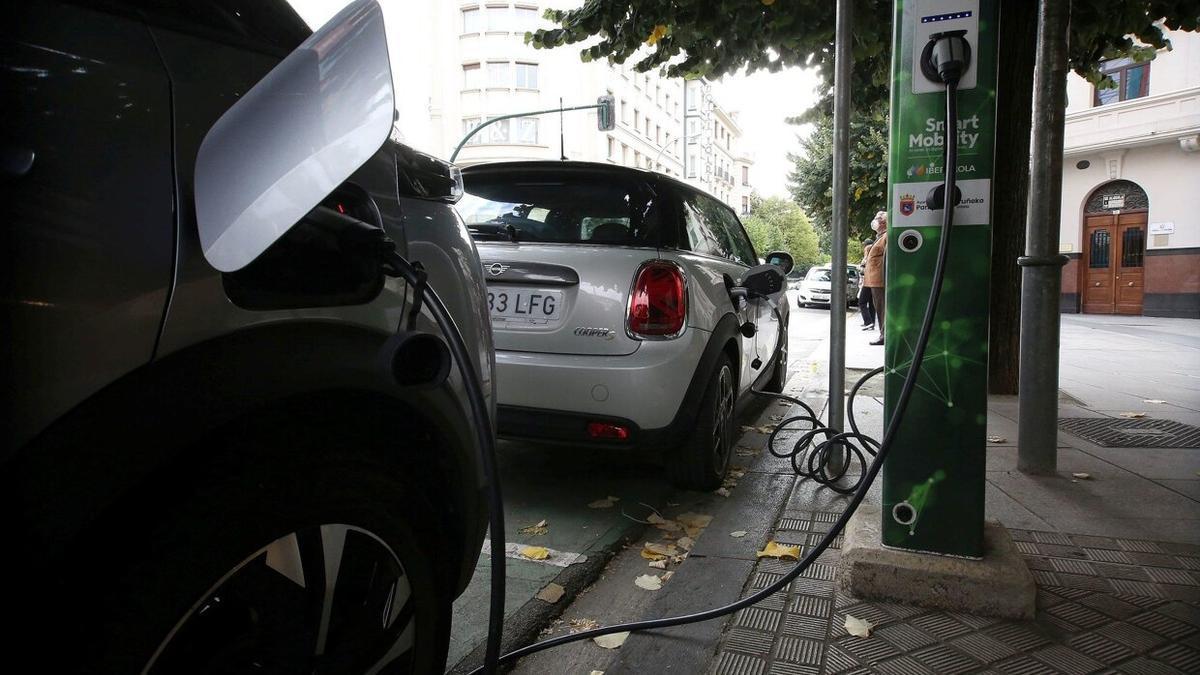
(608, 431)
(657, 301)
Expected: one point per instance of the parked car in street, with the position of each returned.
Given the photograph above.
(210, 471)
(609, 291)
(815, 288)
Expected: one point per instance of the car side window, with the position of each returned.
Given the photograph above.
(267, 25)
(739, 241)
(704, 228)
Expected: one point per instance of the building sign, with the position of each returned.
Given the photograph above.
(1162, 228)
(1114, 201)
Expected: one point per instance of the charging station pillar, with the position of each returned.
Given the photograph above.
(933, 481)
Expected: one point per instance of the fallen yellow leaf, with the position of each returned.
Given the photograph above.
(611, 641)
(650, 582)
(535, 552)
(776, 550)
(858, 627)
(690, 519)
(535, 530)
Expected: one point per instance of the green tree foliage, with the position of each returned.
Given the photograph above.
(778, 224)
(811, 180)
(709, 38)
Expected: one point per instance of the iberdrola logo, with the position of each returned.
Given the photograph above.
(908, 204)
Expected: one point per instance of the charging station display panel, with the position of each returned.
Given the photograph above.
(933, 482)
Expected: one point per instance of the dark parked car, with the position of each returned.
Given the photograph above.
(209, 471)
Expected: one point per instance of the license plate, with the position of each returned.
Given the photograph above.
(514, 305)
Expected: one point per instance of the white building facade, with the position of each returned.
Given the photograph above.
(476, 66)
(1131, 176)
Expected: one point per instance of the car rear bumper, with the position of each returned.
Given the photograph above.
(643, 389)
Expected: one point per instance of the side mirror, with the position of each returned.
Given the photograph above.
(781, 259)
(764, 280)
(294, 137)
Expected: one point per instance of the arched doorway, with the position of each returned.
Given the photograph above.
(1114, 248)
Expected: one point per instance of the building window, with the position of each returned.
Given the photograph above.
(472, 76)
(745, 175)
(468, 124)
(499, 74)
(667, 103)
(498, 18)
(526, 75)
(646, 131)
(612, 148)
(498, 132)
(637, 119)
(525, 18)
(1099, 250)
(1133, 247)
(624, 155)
(527, 131)
(691, 166)
(637, 158)
(745, 205)
(471, 20)
(658, 95)
(1132, 80)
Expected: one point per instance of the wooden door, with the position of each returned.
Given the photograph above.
(1098, 268)
(1114, 247)
(1130, 252)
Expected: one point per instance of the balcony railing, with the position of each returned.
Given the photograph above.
(1141, 121)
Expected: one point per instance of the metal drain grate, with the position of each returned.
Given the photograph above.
(1138, 433)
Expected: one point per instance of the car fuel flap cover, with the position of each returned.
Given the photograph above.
(294, 137)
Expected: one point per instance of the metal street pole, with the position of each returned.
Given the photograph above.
(840, 226)
(1041, 277)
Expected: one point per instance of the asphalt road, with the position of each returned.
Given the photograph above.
(556, 484)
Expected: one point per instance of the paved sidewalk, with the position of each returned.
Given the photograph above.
(1116, 555)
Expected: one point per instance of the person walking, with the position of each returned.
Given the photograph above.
(876, 264)
(866, 304)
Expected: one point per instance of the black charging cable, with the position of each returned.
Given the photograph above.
(949, 74)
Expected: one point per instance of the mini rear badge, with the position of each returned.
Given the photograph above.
(588, 331)
(496, 269)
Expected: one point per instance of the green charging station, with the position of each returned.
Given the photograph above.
(933, 481)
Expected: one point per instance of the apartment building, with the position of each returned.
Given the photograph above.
(475, 66)
(1131, 174)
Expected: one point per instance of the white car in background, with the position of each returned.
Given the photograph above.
(616, 311)
(815, 288)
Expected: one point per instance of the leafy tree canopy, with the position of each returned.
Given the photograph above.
(710, 38)
(778, 224)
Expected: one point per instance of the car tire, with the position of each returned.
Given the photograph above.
(701, 461)
(235, 576)
(779, 372)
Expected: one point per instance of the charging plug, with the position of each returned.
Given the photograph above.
(946, 56)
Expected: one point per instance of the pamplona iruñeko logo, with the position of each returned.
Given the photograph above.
(908, 204)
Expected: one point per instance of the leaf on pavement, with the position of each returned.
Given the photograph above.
(658, 564)
(996, 439)
(686, 543)
(552, 593)
(535, 530)
(737, 534)
(535, 552)
(580, 625)
(611, 641)
(606, 503)
(650, 582)
(1133, 415)
(669, 526)
(724, 492)
(655, 519)
(777, 550)
(667, 576)
(858, 627)
(1082, 475)
(656, 551)
(690, 519)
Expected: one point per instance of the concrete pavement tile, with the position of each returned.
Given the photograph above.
(701, 583)
(999, 506)
(1153, 463)
(752, 507)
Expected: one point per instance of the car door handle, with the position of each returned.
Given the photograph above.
(15, 162)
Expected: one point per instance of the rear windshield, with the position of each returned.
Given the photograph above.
(564, 208)
(818, 274)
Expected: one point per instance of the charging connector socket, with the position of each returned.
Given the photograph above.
(946, 56)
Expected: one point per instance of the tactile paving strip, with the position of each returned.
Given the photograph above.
(1104, 605)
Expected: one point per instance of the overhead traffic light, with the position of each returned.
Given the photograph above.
(606, 114)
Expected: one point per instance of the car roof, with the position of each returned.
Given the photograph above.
(599, 168)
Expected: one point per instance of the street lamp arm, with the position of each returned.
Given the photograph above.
(477, 129)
